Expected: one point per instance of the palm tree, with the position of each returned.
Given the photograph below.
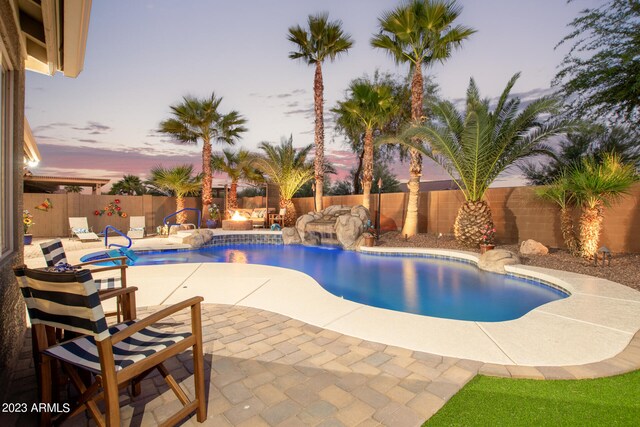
(177, 181)
(354, 131)
(372, 106)
(419, 32)
(474, 147)
(129, 185)
(199, 120)
(558, 192)
(322, 40)
(238, 165)
(596, 184)
(288, 168)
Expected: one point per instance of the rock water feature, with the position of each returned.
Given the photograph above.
(336, 225)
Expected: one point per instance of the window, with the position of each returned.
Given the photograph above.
(6, 162)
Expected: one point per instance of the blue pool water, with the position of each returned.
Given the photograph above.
(427, 286)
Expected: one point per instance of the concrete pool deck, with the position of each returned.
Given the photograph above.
(597, 322)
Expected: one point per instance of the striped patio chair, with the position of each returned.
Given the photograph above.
(117, 356)
(54, 254)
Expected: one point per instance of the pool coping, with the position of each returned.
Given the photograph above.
(599, 321)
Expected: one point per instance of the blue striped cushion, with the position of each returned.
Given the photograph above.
(108, 283)
(83, 352)
(67, 300)
(53, 252)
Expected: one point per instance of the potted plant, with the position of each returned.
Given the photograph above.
(214, 216)
(27, 222)
(369, 234)
(488, 238)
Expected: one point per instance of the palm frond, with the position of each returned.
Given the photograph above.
(474, 147)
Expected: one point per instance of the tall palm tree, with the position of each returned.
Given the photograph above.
(200, 120)
(596, 184)
(177, 181)
(238, 165)
(320, 41)
(420, 32)
(475, 146)
(129, 185)
(372, 106)
(288, 168)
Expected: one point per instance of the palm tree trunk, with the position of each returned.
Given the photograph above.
(470, 222)
(357, 174)
(290, 215)
(590, 228)
(207, 198)
(568, 233)
(415, 166)
(367, 174)
(318, 92)
(233, 195)
(181, 218)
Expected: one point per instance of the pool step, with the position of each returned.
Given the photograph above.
(180, 236)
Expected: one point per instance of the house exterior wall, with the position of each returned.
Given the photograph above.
(12, 312)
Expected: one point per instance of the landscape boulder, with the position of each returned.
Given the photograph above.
(301, 225)
(348, 229)
(531, 247)
(496, 259)
(198, 238)
(337, 224)
(290, 236)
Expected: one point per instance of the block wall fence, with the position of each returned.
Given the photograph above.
(517, 213)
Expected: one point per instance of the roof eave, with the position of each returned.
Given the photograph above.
(77, 14)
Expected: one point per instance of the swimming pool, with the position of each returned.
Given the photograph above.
(427, 286)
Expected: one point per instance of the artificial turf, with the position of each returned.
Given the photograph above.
(489, 401)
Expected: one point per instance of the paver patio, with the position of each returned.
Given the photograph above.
(264, 368)
(267, 369)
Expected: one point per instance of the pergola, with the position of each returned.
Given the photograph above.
(49, 184)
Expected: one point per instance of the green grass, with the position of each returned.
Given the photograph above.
(489, 401)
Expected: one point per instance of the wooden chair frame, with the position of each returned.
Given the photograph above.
(121, 305)
(108, 383)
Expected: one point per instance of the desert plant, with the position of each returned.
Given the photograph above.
(288, 168)
(558, 192)
(178, 181)
(595, 185)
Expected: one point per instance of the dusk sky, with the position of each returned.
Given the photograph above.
(143, 56)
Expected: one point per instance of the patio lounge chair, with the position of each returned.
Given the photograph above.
(79, 227)
(117, 356)
(54, 254)
(278, 218)
(136, 227)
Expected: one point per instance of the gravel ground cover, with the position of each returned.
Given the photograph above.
(624, 268)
